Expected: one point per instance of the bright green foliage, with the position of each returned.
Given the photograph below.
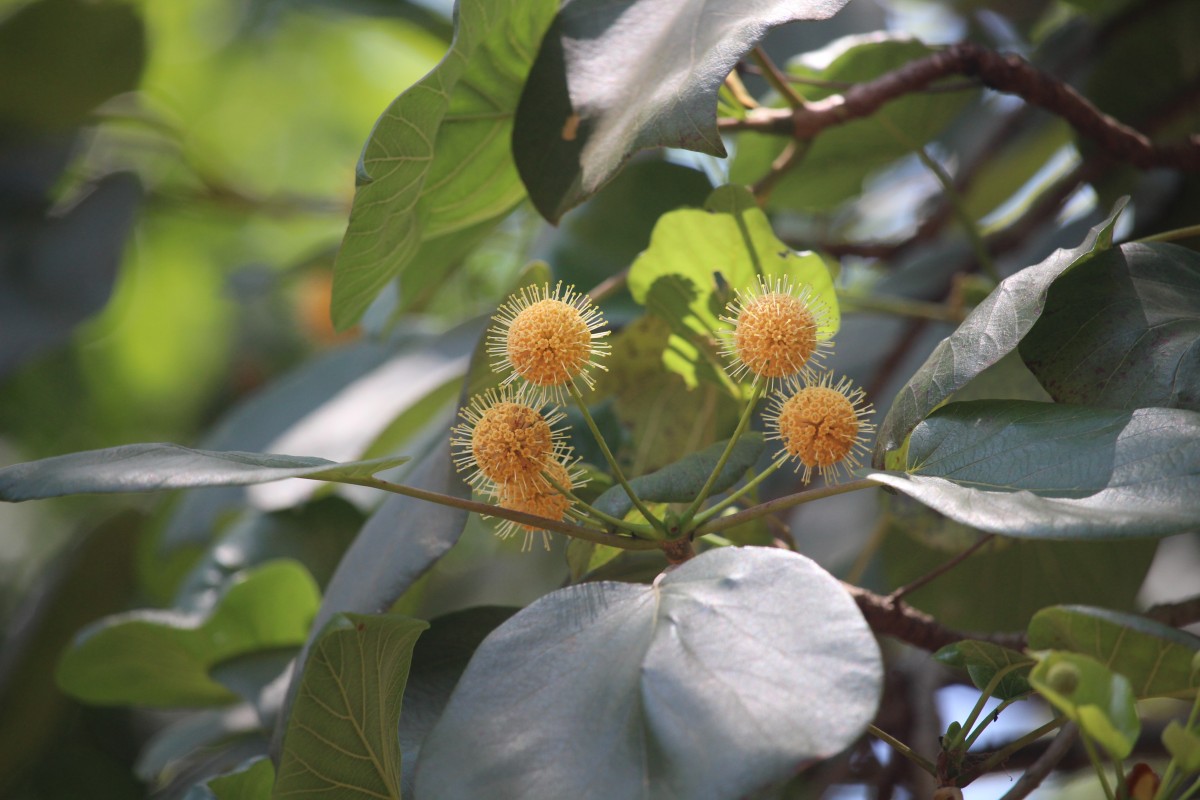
(163, 658)
(1098, 699)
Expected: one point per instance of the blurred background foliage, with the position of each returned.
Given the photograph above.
(175, 178)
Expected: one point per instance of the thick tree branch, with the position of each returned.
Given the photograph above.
(1004, 73)
(903, 622)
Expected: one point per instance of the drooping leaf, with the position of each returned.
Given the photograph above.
(438, 661)
(341, 737)
(992, 330)
(612, 78)
(682, 481)
(1092, 695)
(1122, 330)
(162, 658)
(1155, 658)
(437, 171)
(839, 160)
(1029, 574)
(734, 670)
(150, 467)
(1042, 470)
(983, 660)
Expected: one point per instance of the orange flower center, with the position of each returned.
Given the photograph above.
(511, 442)
(549, 342)
(776, 335)
(539, 498)
(818, 425)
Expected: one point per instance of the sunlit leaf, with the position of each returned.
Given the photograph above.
(1155, 658)
(341, 737)
(162, 658)
(1043, 470)
(612, 78)
(992, 330)
(438, 162)
(733, 670)
(1122, 330)
(1086, 691)
(150, 467)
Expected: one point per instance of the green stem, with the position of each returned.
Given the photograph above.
(989, 719)
(559, 526)
(595, 513)
(1193, 789)
(1170, 236)
(686, 518)
(1097, 765)
(612, 462)
(710, 512)
(776, 78)
(1000, 756)
(903, 749)
(782, 504)
(984, 696)
(1169, 778)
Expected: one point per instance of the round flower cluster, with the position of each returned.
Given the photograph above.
(510, 440)
(774, 338)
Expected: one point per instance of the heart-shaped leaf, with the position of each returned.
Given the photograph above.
(613, 78)
(1092, 695)
(163, 658)
(992, 330)
(732, 671)
(437, 173)
(341, 738)
(150, 467)
(1043, 470)
(1155, 658)
(1122, 330)
(682, 481)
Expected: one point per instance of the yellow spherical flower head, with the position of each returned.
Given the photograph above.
(774, 332)
(548, 338)
(506, 439)
(821, 426)
(541, 499)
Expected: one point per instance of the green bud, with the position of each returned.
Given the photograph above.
(1063, 677)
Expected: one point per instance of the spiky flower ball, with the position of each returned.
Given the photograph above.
(775, 331)
(821, 426)
(541, 499)
(506, 439)
(548, 338)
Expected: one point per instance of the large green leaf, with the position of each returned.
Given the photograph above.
(682, 481)
(1043, 470)
(1122, 330)
(1155, 658)
(732, 671)
(341, 739)
(1098, 699)
(150, 467)
(612, 78)
(992, 330)
(438, 163)
(163, 658)
(839, 159)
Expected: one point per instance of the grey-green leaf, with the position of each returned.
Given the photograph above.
(983, 660)
(341, 738)
(437, 172)
(732, 671)
(682, 481)
(1043, 470)
(1122, 330)
(1155, 658)
(150, 467)
(613, 78)
(992, 330)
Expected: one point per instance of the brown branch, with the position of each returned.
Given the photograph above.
(1004, 73)
(1178, 614)
(907, 589)
(1046, 762)
(903, 622)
